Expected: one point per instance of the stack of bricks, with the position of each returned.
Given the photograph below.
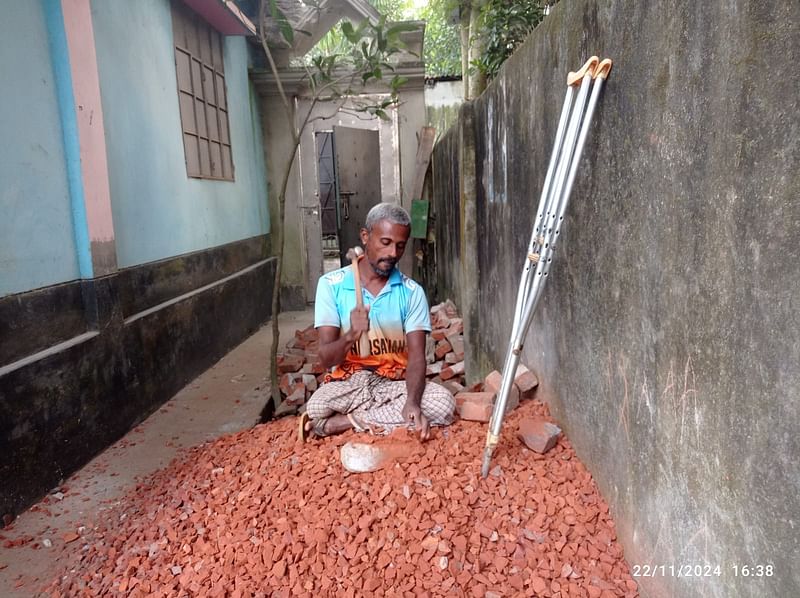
(477, 402)
(299, 369)
(444, 351)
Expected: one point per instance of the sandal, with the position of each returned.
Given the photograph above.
(302, 433)
(317, 429)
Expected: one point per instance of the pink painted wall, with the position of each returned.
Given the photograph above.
(86, 89)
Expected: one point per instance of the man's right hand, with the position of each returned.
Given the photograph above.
(359, 321)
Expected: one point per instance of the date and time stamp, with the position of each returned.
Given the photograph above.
(755, 570)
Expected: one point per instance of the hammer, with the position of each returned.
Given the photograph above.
(354, 255)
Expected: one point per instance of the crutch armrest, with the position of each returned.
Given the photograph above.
(602, 69)
(588, 67)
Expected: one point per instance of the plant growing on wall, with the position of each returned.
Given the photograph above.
(489, 31)
(502, 26)
(337, 80)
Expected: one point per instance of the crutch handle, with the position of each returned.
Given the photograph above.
(601, 70)
(588, 67)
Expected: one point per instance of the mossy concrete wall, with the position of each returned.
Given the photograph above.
(668, 339)
(442, 101)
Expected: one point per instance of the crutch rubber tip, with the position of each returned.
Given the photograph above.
(587, 68)
(487, 460)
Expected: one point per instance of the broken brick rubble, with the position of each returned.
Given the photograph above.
(257, 514)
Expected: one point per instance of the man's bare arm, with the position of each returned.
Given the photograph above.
(415, 382)
(333, 345)
(415, 373)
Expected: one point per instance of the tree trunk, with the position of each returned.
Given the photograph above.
(477, 81)
(464, 16)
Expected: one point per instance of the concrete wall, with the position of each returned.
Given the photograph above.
(668, 337)
(83, 362)
(398, 145)
(36, 240)
(158, 211)
(442, 100)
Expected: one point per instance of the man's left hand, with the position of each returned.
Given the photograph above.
(413, 415)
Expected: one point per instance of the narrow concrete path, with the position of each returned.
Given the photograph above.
(226, 398)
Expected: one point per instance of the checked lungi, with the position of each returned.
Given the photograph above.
(378, 401)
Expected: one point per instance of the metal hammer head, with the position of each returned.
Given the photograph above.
(354, 253)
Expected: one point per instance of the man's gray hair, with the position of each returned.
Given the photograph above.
(392, 212)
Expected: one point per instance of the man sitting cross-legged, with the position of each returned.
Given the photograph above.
(387, 389)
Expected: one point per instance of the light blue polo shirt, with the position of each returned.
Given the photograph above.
(400, 307)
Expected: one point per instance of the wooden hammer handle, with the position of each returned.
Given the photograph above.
(363, 340)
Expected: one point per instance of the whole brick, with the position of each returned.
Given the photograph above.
(288, 380)
(456, 342)
(442, 348)
(313, 367)
(297, 396)
(440, 320)
(456, 326)
(538, 434)
(309, 334)
(492, 383)
(439, 334)
(475, 406)
(296, 343)
(526, 381)
(452, 371)
(290, 363)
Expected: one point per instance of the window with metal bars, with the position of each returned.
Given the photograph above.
(201, 93)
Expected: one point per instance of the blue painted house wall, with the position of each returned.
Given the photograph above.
(121, 278)
(158, 211)
(36, 236)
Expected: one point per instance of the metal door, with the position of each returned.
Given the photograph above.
(327, 184)
(359, 173)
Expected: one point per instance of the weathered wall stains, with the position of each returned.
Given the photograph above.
(668, 337)
(442, 100)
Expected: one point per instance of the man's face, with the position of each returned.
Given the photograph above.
(384, 245)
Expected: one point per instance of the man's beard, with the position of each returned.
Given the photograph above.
(383, 267)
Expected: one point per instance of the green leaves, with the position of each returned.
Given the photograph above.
(361, 57)
(397, 82)
(504, 26)
(442, 47)
(283, 23)
(379, 109)
(351, 34)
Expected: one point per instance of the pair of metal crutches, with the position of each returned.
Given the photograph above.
(573, 126)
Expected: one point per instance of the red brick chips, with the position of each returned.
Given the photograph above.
(256, 514)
